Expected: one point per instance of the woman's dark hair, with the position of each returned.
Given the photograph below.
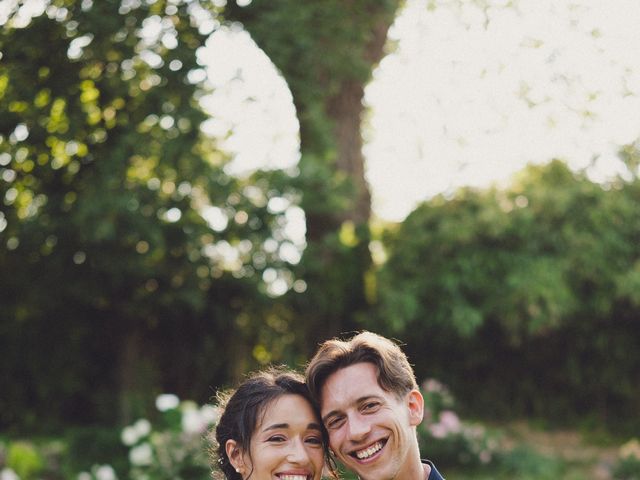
(244, 407)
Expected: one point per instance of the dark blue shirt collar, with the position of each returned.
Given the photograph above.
(435, 474)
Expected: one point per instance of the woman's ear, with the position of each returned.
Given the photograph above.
(234, 452)
(415, 402)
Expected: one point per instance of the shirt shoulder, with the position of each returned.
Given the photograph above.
(435, 474)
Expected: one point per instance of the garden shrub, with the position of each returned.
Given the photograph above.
(446, 438)
(24, 460)
(628, 465)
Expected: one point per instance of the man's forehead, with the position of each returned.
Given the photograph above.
(350, 385)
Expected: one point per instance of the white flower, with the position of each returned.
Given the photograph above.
(8, 474)
(192, 422)
(167, 401)
(210, 414)
(129, 436)
(82, 476)
(142, 427)
(105, 472)
(142, 455)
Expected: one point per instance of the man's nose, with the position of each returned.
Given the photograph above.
(359, 428)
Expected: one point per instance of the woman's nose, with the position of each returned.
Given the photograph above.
(298, 453)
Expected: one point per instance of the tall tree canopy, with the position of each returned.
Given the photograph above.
(326, 51)
(508, 293)
(125, 246)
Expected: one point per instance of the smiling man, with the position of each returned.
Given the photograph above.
(370, 403)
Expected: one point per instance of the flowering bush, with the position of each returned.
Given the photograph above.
(28, 460)
(446, 438)
(99, 472)
(628, 465)
(22, 460)
(173, 449)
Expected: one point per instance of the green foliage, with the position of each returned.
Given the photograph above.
(25, 460)
(326, 51)
(537, 277)
(174, 443)
(444, 437)
(318, 46)
(525, 463)
(628, 465)
(174, 447)
(98, 445)
(121, 238)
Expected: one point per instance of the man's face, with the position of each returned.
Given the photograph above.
(371, 431)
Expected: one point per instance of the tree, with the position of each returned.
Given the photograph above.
(127, 253)
(492, 285)
(326, 52)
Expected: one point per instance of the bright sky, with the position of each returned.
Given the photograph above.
(466, 98)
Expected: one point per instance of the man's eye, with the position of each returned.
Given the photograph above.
(370, 406)
(335, 422)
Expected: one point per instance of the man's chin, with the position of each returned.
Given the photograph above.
(366, 472)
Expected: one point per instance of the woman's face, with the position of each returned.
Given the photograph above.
(287, 444)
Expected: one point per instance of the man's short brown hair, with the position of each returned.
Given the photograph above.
(395, 374)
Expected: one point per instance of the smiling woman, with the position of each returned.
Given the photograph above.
(270, 429)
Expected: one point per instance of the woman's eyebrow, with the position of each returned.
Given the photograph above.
(277, 426)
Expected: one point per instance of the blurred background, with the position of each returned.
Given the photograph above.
(194, 189)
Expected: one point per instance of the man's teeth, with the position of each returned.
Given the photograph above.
(367, 452)
(293, 477)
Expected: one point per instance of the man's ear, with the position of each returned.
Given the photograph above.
(234, 452)
(415, 402)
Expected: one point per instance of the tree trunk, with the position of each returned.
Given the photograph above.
(326, 52)
(138, 378)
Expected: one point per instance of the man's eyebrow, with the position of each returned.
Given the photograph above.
(332, 413)
(367, 397)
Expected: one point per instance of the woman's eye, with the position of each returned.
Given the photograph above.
(276, 438)
(314, 440)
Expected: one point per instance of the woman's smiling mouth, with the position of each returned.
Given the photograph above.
(293, 476)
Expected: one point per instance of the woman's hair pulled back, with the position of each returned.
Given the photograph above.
(244, 408)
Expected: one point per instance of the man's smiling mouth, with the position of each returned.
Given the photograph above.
(370, 451)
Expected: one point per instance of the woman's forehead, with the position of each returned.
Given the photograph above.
(286, 409)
